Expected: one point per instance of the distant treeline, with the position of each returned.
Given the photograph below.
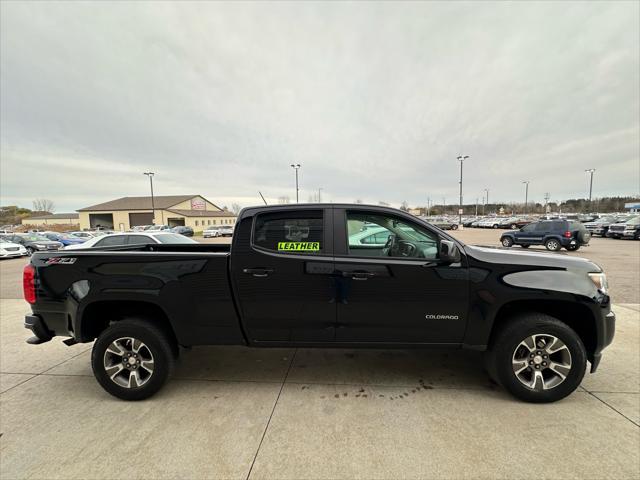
(573, 205)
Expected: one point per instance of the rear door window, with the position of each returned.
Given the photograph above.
(299, 232)
(111, 241)
(544, 227)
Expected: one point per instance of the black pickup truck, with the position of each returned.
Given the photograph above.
(298, 275)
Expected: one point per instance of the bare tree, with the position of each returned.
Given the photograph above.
(44, 205)
(404, 205)
(235, 208)
(384, 204)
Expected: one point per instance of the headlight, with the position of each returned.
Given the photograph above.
(600, 281)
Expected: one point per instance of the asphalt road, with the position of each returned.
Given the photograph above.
(619, 258)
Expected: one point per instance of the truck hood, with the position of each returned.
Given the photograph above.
(533, 259)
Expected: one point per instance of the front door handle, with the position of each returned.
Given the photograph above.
(258, 272)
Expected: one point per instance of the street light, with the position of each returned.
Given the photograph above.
(590, 171)
(320, 195)
(526, 194)
(486, 191)
(153, 206)
(461, 159)
(296, 167)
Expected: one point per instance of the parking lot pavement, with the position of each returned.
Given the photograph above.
(232, 412)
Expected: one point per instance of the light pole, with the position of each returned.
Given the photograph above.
(476, 206)
(526, 194)
(320, 195)
(153, 206)
(590, 172)
(461, 159)
(486, 191)
(296, 167)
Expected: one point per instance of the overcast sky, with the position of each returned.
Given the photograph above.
(375, 100)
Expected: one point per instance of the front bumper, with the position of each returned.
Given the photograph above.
(606, 331)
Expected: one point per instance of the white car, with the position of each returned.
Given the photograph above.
(85, 235)
(226, 231)
(131, 238)
(10, 249)
(211, 232)
(157, 228)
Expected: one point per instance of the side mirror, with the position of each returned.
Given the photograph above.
(449, 252)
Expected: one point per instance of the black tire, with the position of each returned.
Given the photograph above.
(495, 225)
(584, 236)
(509, 339)
(454, 227)
(30, 251)
(160, 345)
(553, 244)
(572, 248)
(506, 241)
(514, 227)
(525, 246)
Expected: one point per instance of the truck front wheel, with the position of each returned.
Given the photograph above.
(132, 359)
(538, 358)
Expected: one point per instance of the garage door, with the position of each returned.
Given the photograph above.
(136, 219)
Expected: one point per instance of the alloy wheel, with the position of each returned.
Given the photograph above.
(128, 362)
(541, 362)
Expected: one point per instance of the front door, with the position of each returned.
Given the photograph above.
(284, 276)
(392, 286)
(527, 235)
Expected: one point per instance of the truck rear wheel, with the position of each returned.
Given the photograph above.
(132, 359)
(538, 358)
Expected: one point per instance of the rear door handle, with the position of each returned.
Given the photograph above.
(258, 272)
(359, 275)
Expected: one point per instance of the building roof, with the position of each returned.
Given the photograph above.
(161, 202)
(201, 213)
(52, 216)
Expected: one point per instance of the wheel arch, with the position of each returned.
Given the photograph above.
(98, 315)
(576, 315)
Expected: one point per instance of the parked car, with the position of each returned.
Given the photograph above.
(601, 225)
(63, 238)
(157, 228)
(131, 238)
(290, 279)
(444, 223)
(553, 234)
(82, 234)
(226, 231)
(34, 242)
(10, 249)
(628, 229)
(182, 230)
(211, 232)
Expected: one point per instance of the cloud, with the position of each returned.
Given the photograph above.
(375, 100)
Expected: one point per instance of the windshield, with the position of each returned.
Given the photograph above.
(173, 238)
(633, 221)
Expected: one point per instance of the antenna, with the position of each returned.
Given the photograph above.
(265, 202)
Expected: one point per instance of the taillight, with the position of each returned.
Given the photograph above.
(29, 283)
(567, 234)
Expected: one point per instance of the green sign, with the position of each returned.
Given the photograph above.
(298, 246)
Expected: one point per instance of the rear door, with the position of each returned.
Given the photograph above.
(282, 268)
(399, 291)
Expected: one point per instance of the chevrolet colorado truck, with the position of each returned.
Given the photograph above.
(303, 276)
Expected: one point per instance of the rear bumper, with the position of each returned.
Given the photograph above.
(40, 331)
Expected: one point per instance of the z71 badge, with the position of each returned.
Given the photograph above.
(61, 260)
